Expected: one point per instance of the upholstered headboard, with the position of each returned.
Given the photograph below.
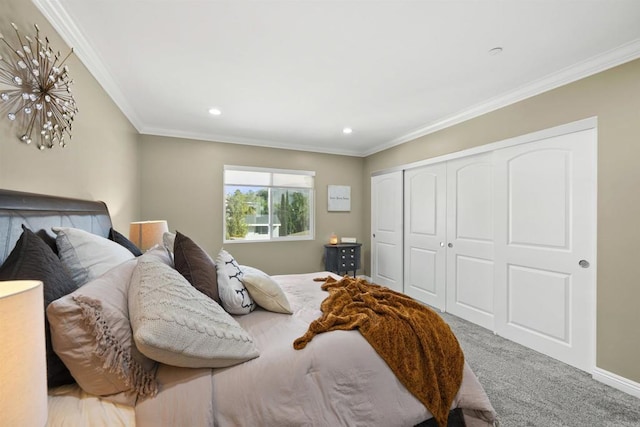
(41, 212)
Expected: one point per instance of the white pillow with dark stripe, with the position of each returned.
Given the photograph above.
(233, 294)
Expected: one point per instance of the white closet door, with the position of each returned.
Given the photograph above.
(386, 230)
(470, 236)
(545, 246)
(424, 236)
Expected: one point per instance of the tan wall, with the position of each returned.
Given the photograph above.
(182, 183)
(614, 97)
(181, 180)
(100, 162)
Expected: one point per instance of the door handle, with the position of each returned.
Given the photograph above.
(450, 245)
(584, 263)
(374, 235)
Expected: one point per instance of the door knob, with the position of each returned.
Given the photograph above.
(583, 263)
(374, 235)
(450, 245)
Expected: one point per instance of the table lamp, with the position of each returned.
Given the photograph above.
(146, 234)
(23, 364)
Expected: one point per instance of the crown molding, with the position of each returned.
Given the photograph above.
(64, 25)
(227, 139)
(612, 58)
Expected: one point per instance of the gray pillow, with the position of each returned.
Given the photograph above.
(33, 259)
(120, 239)
(88, 255)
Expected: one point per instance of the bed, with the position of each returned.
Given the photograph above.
(337, 379)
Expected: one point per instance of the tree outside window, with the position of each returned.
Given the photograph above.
(268, 212)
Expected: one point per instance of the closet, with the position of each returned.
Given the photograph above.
(386, 230)
(504, 236)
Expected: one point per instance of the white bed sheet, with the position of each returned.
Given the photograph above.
(336, 380)
(70, 406)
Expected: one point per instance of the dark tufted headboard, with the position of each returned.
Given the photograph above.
(40, 212)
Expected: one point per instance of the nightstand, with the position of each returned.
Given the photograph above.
(343, 257)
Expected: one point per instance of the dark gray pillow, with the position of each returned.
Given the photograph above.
(196, 266)
(123, 241)
(48, 239)
(33, 259)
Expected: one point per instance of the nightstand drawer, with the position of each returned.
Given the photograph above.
(342, 258)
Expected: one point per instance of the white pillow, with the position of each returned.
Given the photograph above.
(176, 324)
(234, 296)
(88, 255)
(159, 253)
(168, 240)
(265, 291)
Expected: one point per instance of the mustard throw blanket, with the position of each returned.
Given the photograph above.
(414, 341)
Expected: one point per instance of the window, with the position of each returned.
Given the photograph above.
(267, 204)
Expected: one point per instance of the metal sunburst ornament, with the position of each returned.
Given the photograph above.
(34, 91)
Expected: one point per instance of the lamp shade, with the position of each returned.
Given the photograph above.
(146, 234)
(23, 365)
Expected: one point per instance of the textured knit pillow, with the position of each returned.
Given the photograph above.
(196, 266)
(91, 333)
(233, 294)
(265, 291)
(33, 259)
(124, 242)
(88, 255)
(176, 324)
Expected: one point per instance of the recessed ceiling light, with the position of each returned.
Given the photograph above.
(215, 112)
(495, 51)
(347, 131)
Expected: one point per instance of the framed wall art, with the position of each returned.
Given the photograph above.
(339, 198)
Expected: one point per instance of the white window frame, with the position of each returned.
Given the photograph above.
(271, 171)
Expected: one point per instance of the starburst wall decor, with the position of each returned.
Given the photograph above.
(34, 90)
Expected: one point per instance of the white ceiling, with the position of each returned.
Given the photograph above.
(293, 74)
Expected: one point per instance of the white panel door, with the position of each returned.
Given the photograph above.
(386, 230)
(545, 246)
(470, 235)
(424, 236)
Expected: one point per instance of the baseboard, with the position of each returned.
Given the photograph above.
(616, 381)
